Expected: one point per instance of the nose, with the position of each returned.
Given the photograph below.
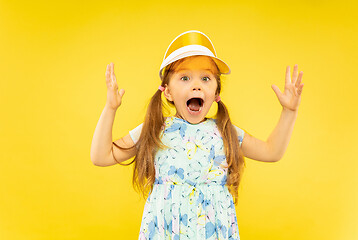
(197, 88)
(197, 85)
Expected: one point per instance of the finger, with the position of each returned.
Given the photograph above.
(108, 76)
(300, 89)
(287, 79)
(276, 89)
(107, 72)
(299, 79)
(113, 75)
(121, 92)
(294, 74)
(112, 71)
(115, 85)
(295, 92)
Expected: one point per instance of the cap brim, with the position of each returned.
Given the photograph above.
(223, 67)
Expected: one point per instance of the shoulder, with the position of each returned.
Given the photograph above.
(239, 131)
(135, 133)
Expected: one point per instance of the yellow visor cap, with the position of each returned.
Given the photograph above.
(191, 43)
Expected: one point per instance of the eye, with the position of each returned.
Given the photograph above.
(207, 78)
(184, 77)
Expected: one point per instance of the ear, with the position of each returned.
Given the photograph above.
(216, 98)
(167, 94)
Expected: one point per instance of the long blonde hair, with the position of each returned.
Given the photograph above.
(149, 140)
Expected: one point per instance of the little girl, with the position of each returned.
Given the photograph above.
(190, 165)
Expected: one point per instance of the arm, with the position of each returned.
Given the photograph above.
(102, 153)
(278, 140)
(101, 148)
(274, 148)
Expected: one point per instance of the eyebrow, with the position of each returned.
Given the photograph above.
(184, 69)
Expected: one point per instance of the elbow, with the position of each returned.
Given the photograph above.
(275, 156)
(275, 160)
(93, 158)
(95, 162)
(96, 159)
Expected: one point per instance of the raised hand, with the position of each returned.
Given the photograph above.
(114, 97)
(291, 97)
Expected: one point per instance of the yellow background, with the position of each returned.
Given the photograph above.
(53, 57)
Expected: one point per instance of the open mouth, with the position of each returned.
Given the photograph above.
(195, 105)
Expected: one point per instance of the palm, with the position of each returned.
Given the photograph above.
(114, 96)
(291, 97)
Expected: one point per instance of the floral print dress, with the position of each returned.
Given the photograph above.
(189, 199)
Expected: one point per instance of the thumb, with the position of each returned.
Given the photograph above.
(121, 92)
(276, 90)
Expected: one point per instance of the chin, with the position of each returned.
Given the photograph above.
(195, 119)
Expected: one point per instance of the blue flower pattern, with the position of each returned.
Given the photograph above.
(189, 199)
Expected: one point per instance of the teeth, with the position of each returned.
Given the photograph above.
(195, 111)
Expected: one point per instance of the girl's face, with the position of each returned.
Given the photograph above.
(193, 78)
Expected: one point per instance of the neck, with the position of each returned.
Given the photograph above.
(178, 116)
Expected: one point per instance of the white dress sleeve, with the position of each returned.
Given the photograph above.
(135, 133)
(240, 134)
